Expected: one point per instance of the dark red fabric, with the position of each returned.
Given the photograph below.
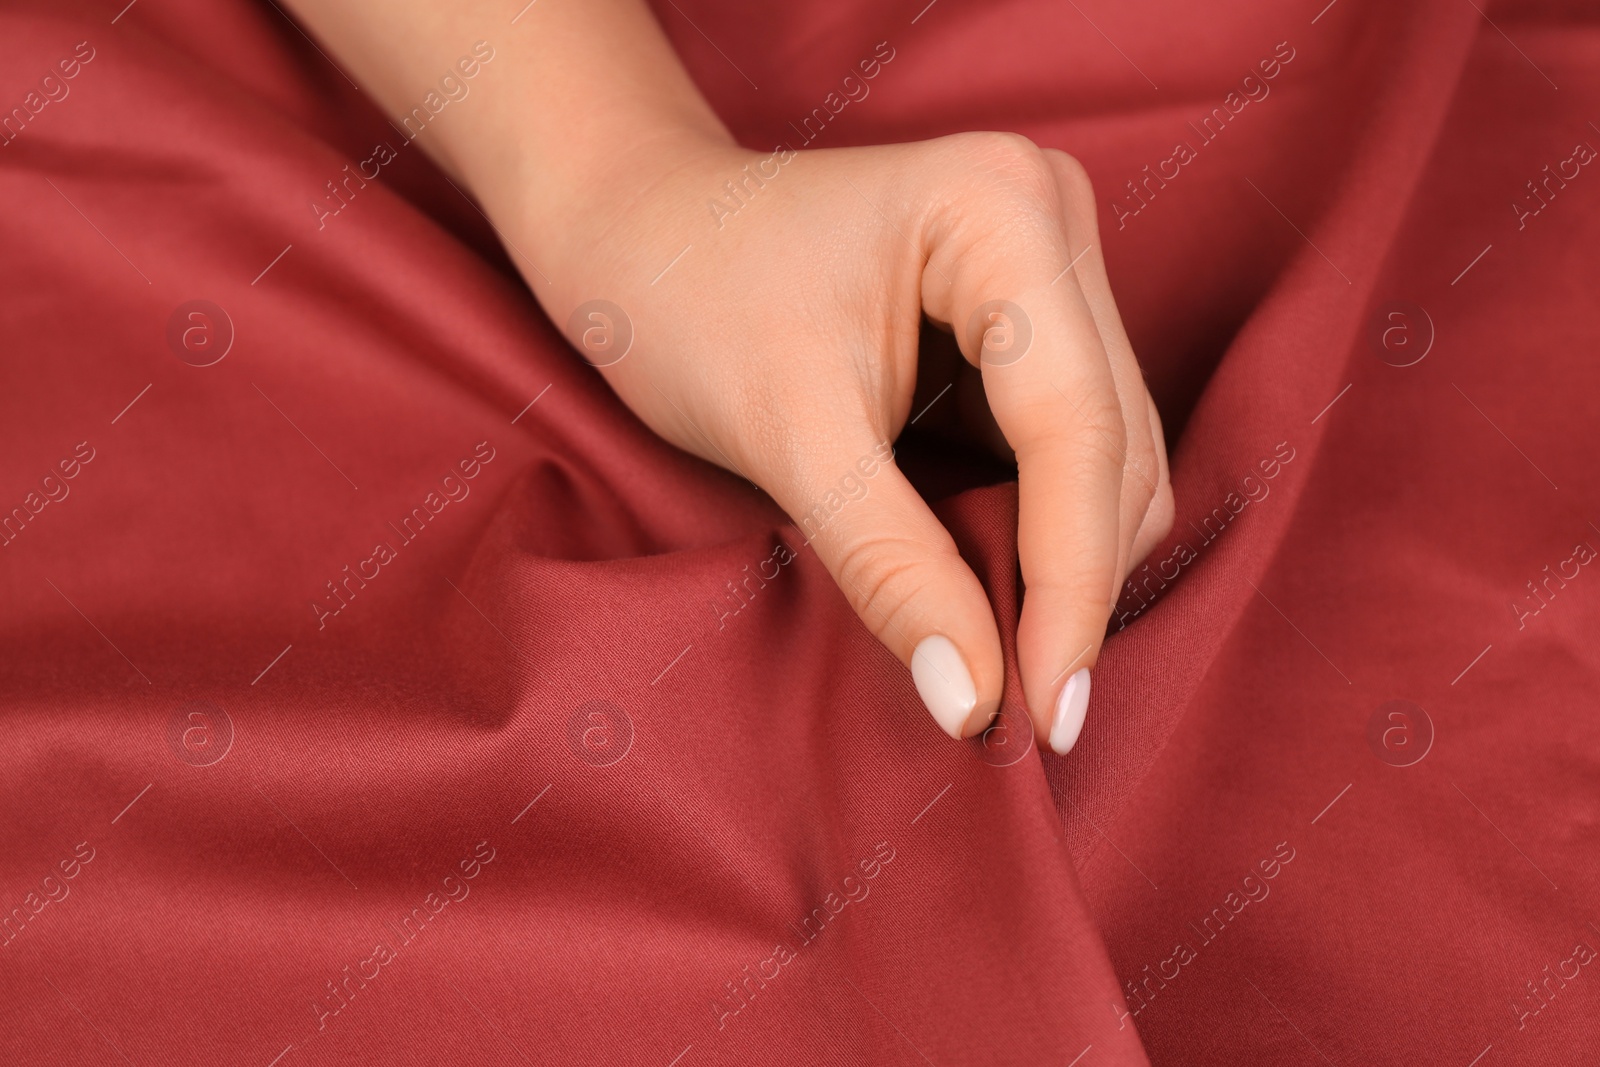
(535, 793)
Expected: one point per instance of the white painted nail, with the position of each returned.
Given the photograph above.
(944, 683)
(1070, 706)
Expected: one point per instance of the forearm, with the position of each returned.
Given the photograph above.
(576, 103)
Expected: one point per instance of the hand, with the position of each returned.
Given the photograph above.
(783, 346)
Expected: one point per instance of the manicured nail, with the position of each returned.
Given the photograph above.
(1070, 706)
(944, 683)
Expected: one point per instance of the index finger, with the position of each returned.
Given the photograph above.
(1053, 393)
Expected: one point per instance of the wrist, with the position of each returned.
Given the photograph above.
(582, 211)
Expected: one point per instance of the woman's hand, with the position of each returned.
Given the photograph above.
(774, 333)
(780, 340)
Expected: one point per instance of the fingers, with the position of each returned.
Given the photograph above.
(1057, 407)
(1001, 237)
(1054, 394)
(1146, 508)
(1158, 517)
(900, 570)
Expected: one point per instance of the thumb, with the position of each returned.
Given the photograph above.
(901, 571)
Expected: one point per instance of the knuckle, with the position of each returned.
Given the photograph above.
(1071, 176)
(1079, 593)
(1146, 474)
(1104, 447)
(1087, 440)
(1162, 512)
(1012, 162)
(1156, 522)
(1096, 428)
(880, 575)
(1077, 196)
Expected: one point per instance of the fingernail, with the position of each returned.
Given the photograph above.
(944, 683)
(1070, 706)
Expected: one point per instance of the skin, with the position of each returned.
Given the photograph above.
(783, 345)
